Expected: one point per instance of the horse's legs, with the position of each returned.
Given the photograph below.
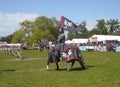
(57, 66)
(73, 62)
(82, 64)
(47, 64)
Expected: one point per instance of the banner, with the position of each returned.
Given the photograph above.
(67, 24)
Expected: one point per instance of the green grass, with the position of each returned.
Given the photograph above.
(103, 70)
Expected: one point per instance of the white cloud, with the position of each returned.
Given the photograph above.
(9, 22)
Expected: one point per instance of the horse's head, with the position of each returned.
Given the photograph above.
(44, 44)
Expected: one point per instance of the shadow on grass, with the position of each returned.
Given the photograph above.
(73, 69)
(89, 66)
(7, 70)
(66, 69)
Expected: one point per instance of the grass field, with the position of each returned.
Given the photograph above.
(103, 70)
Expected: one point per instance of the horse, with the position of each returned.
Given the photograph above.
(68, 53)
(43, 44)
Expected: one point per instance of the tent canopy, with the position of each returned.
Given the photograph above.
(77, 41)
(97, 38)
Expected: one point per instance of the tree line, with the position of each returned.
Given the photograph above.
(47, 28)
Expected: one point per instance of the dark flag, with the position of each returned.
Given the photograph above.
(67, 24)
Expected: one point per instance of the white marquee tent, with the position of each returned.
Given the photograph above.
(97, 38)
(77, 41)
(80, 40)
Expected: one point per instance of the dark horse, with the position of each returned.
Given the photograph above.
(68, 53)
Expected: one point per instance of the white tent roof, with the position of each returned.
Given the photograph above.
(104, 38)
(77, 41)
(68, 42)
(80, 40)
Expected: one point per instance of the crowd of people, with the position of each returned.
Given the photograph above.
(108, 46)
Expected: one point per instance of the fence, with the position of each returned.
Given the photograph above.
(12, 49)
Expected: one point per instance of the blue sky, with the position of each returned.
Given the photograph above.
(12, 12)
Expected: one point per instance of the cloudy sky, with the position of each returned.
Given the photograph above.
(12, 12)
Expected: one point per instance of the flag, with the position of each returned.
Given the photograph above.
(67, 24)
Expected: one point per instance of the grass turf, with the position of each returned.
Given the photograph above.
(102, 71)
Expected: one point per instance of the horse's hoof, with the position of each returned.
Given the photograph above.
(47, 68)
(83, 68)
(69, 69)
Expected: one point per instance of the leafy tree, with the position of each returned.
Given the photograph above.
(40, 34)
(19, 36)
(27, 25)
(43, 22)
(55, 21)
(101, 26)
(54, 30)
(113, 26)
(82, 30)
(47, 25)
(41, 28)
(71, 36)
(93, 31)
